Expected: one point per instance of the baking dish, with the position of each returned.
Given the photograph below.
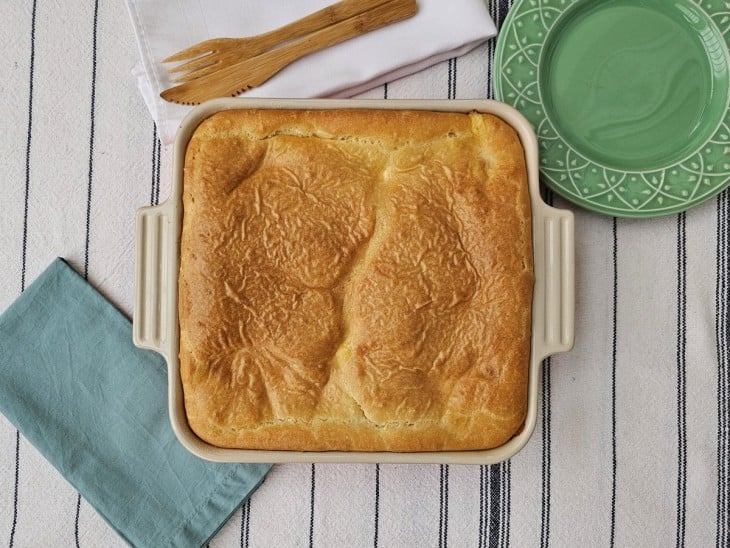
(156, 292)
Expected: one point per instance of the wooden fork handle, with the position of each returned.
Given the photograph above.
(318, 20)
(384, 14)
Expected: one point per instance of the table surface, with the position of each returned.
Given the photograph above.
(631, 446)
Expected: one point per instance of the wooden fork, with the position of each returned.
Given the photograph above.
(212, 55)
(250, 72)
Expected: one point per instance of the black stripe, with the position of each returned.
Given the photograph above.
(157, 170)
(613, 382)
(248, 521)
(719, 303)
(76, 520)
(725, 540)
(377, 505)
(15, 487)
(385, 91)
(502, 499)
(242, 539)
(27, 151)
(494, 505)
(504, 6)
(29, 133)
(311, 511)
(545, 505)
(443, 506)
(482, 501)
(91, 138)
(496, 9)
(154, 163)
(245, 523)
(726, 342)
(681, 376)
(446, 505)
(722, 329)
(156, 159)
(490, 60)
(451, 92)
(490, 52)
(508, 514)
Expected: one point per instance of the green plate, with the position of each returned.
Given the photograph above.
(629, 98)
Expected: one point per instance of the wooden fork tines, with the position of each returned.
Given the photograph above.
(238, 76)
(212, 55)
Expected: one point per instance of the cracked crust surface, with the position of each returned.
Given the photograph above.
(355, 280)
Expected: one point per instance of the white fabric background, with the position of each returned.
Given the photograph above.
(631, 447)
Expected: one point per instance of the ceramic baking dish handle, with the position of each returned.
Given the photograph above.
(559, 282)
(152, 278)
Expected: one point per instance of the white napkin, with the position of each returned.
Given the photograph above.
(439, 31)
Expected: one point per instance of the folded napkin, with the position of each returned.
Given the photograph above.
(95, 406)
(439, 31)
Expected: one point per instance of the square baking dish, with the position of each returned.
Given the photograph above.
(155, 321)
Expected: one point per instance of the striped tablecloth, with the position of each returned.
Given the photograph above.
(632, 446)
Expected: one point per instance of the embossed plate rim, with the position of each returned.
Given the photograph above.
(560, 178)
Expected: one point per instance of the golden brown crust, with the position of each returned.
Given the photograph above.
(355, 280)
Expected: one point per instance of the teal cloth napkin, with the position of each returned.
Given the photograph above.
(94, 405)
